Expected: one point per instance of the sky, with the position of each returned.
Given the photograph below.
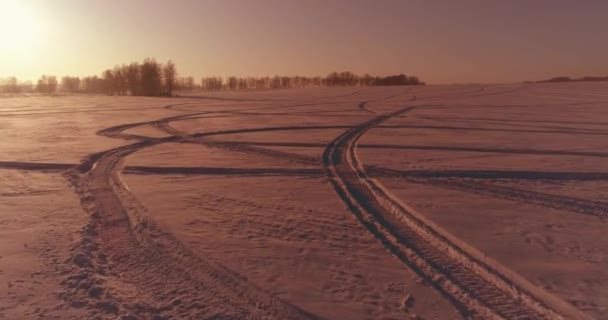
(464, 41)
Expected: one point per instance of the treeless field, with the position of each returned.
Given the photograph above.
(435, 202)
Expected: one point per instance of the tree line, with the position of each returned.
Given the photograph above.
(46, 84)
(333, 79)
(151, 78)
(13, 85)
(568, 79)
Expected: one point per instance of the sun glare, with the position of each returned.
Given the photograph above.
(20, 29)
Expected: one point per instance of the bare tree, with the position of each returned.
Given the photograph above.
(212, 83)
(186, 83)
(47, 84)
(151, 78)
(232, 83)
(70, 84)
(345, 78)
(150, 72)
(133, 76)
(109, 82)
(93, 84)
(10, 85)
(120, 81)
(169, 77)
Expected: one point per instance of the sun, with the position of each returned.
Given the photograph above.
(20, 29)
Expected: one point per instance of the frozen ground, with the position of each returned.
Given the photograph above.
(436, 202)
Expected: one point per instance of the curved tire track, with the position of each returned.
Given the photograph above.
(559, 202)
(477, 285)
(142, 270)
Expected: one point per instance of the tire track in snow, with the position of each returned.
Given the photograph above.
(127, 266)
(477, 286)
(560, 202)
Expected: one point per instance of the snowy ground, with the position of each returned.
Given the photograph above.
(436, 202)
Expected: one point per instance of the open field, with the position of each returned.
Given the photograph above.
(434, 202)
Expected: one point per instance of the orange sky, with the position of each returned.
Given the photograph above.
(440, 41)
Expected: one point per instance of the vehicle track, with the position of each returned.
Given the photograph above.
(320, 224)
(489, 174)
(363, 105)
(426, 147)
(123, 255)
(553, 201)
(573, 132)
(20, 165)
(595, 208)
(166, 127)
(223, 171)
(480, 92)
(120, 232)
(498, 120)
(296, 158)
(477, 285)
(510, 124)
(489, 150)
(44, 111)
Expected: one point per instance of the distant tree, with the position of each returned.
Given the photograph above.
(41, 86)
(186, 83)
(568, 79)
(150, 72)
(10, 85)
(26, 86)
(109, 82)
(397, 80)
(317, 81)
(560, 79)
(413, 80)
(47, 84)
(285, 82)
(121, 86)
(151, 78)
(70, 84)
(367, 80)
(332, 79)
(169, 77)
(275, 82)
(232, 83)
(345, 78)
(52, 84)
(93, 84)
(212, 83)
(592, 79)
(133, 77)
